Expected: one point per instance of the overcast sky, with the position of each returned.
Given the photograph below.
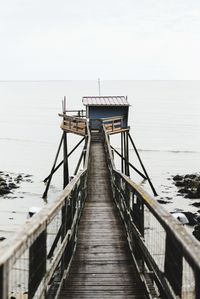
(110, 39)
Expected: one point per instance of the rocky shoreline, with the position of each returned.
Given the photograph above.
(9, 182)
(189, 187)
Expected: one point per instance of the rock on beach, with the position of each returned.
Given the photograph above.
(188, 184)
(9, 182)
(5, 186)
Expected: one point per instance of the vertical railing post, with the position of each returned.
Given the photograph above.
(37, 263)
(174, 263)
(122, 152)
(197, 284)
(67, 218)
(124, 139)
(126, 154)
(1, 281)
(85, 149)
(65, 156)
(65, 162)
(63, 234)
(127, 144)
(4, 280)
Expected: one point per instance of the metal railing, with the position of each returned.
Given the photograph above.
(34, 262)
(165, 253)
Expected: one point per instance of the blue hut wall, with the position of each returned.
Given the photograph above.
(97, 112)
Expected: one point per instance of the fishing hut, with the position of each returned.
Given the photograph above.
(112, 110)
(102, 112)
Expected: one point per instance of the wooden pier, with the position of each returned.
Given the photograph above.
(104, 236)
(102, 266)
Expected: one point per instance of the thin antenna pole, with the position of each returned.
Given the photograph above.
(64, 105)
(99, 85)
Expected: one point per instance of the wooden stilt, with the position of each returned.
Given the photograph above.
(58, 166)
(131, 165)
(142, 165)
(122, 153)
(126, 155)
(127, 144)
(85, 147)
(79, 162)
(65, 162)
(65, 157)
(53, 168)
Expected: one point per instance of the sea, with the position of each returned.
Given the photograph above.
(164, 118)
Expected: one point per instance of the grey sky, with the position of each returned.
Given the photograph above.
(111, 39)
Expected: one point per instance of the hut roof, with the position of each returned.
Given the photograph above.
(105, 101)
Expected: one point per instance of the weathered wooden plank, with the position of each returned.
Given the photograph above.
(99, 207)
(111, 256)
(89, 223)
(98, 232)
(101, 295)
(99, 242)
(104, 279)
(102, 266)
(99, 204)
(116, 289)
(118, 248)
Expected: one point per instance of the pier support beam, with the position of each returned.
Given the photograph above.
(65, 156)
(126, 154)
(58, 166)
(130, 165)
(65, 162)
(142, 165)
(122, 152)
(53, 168)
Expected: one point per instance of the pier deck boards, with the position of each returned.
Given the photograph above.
(102, 266)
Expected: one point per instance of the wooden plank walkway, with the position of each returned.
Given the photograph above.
(102, 266)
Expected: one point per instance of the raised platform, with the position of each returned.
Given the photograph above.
(76, 125)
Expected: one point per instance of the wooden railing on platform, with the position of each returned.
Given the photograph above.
(34, 262)
(160, 245)
(76, 125)
(113, 125)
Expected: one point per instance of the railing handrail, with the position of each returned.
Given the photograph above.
(105, 119)
(190, 247)
(35, 225)
(193, 246)
(73, 118)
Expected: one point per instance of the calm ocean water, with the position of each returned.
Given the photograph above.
(164, 119)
